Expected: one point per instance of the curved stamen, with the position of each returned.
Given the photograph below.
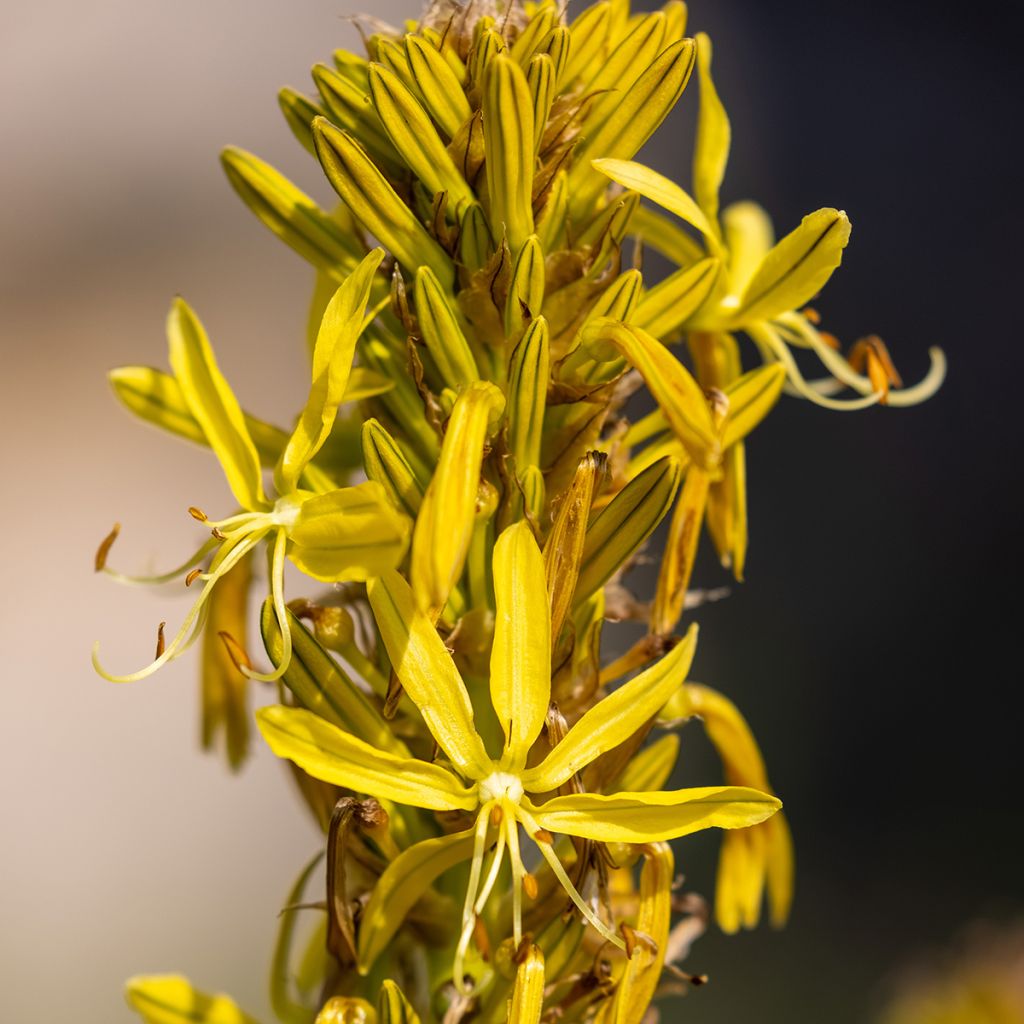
(165, 577)
(515, 857)
(483, 821)
(559, 872)
(241, 519)
(280, 612)
(191, 627)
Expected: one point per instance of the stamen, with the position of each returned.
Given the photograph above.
(198, 514)
(530, 886)
(236, 652)
(165, 577)
(160, 642)
(192, 577)
(217, 534)
(512, 829)
(811, 314)
(468, 916)
(542, 835)
(105, 545)
(280, 612)
(548, 853)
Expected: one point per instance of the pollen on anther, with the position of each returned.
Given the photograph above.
(530, 885)
(542, 835)
(235, 651)
(218, 534)
(192, 577)
(105, 545)
(160, 642)
(197, 514)
(496, 815)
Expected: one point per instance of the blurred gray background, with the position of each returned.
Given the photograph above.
(862, 648)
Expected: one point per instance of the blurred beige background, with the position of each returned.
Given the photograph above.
(123, 849)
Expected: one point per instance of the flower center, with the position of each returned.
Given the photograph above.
(500, 786)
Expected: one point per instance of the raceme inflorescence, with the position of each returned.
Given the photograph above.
(502, 411)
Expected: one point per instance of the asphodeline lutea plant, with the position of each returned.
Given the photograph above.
(494, 780)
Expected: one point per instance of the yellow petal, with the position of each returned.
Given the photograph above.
(651, 767)
(414, 136)
(509, 148)
(333, 352)
(171, 999)
(588, 33)
(656, 230)
(326, 752)
(403, 882)
(444, 527)
(540, 77)
(393, 1007)
(527, 395)
(320, 685)
(351, 533)
(749, 236)
(614, 719)
(669, 304)
(521, 654)
(796, 269)
(214, 406)
(625, 523)
(751, 398)
(375, 204)
(387, 464)
(442, 333)
(290, 213)
(428, 674)
(438, 86)
(528, 991)
(652, 817)
(635, 118)
(713, 137)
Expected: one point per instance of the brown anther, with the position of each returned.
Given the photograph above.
(719, 402)
(197, 514)
(629, 937)
(161, 646)
(497, 815)
(482, 939)
(830, 339)
(811, 314)
(523, 949)
(218, 534)
(530, 885)
(371, 816)
(698, 979)
(870, 356)
(104, 549)
(542, 835)
(236, 652)
(192, 577)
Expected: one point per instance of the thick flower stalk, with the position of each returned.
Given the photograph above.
(496, 814)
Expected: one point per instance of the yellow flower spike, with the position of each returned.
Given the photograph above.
(299, 111)
(442, 333)
(672, 302)
(563, 552)
(346, 1010)
(375, 204)
(386, 463)
(636, 117)
(508, 145)
(224, 688)
(437, 86)
(714, 137)
(748, 864)
(526, 289)
(393, 1007)
(527, 1001)
(528, 374)
(414, 136)
(625, 523)
(291, 214)
(171, 999)
(444, 526)
(497, 791)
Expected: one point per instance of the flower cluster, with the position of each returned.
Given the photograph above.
(495, 812)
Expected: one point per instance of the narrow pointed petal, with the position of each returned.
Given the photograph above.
(749, 236)
(796, 269)
(403, 882)
(214, 406)
(653, 817)
(171, 999)
(393, 1007)
(326, 752)
(614, 719)
(444, 527)
(751, 398)
(351, 533)
(669, 304)
(521, 654)
(333, 353)
(650, 769)
(428, 674)
(714, 136)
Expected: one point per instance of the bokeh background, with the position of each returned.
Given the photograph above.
(873, 648)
